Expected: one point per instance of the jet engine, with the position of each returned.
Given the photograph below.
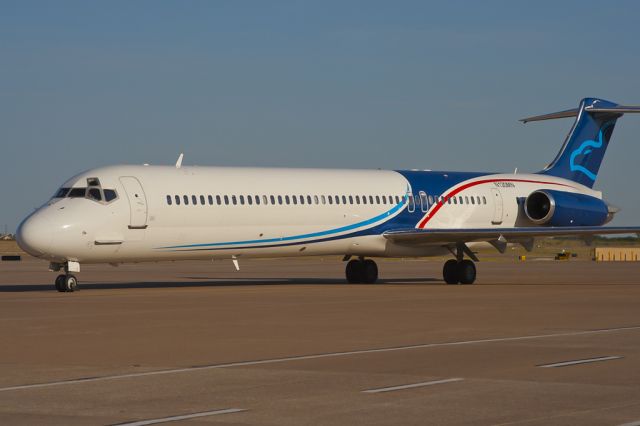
(559, 208)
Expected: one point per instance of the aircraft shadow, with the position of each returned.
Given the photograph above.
(214, 282)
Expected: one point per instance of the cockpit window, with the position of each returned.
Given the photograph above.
(62, 192)
(94, 194)
(110, 195)
(77, 192)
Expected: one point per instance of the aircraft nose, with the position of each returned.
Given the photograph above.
(35, 234)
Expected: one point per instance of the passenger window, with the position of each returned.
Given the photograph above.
(377, 199)
(302, 199)
(210, 199)
(350, 199)
(473, 200)
(316, 199)
(286, 199)
(110, 195)
(308, 199)
(169, 200)
(448, 200)
(324, 200)
(484, 200)
(412, 204)
(280, 199)
(330, 198)
(234, 200)
(226, 200)
(364, 199)
(273, 200)
(344, 199)
(194, 200)
(370, 199)
(257, 199)
(218, 200)
(186, 200)
(249, 200)
(294, 199)
(384, 199)
(466, 199)
(337, 199)
(202, 200)
(265, 200)
(241, 199)
(94, 194)
(177, 197)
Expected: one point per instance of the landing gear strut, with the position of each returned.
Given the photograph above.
(460, 270)
(362, 271)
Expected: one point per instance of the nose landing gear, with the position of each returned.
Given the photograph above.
(362, 271)
(66, 283)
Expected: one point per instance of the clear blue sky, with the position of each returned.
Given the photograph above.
(313, 84)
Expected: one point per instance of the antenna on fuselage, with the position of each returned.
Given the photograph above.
(179, 162)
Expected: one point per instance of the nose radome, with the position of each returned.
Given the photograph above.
(35, 234)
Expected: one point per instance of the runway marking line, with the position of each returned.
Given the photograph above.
(317, 356)
(636, 423)
(181, 417)
(412, 385)
(580, 361)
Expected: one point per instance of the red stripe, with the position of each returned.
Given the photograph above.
(430, 215)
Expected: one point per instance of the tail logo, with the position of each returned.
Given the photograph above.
(584, 150)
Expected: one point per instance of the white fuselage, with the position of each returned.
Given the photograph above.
(268, 212)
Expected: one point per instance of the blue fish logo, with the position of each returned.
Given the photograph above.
(585, 149)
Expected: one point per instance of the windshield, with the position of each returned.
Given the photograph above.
(93, 191)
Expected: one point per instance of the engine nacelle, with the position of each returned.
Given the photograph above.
(559, 208)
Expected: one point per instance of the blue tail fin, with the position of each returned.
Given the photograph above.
(581, 154)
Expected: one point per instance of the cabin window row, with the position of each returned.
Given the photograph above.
(280, 199)
(424, 200)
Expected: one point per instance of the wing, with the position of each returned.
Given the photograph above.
(452, 236)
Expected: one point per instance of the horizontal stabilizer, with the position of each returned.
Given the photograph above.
(562, 114)
(618, 109)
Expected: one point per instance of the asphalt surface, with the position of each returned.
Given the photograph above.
(286, 342)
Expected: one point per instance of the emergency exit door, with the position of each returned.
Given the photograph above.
(137, 202)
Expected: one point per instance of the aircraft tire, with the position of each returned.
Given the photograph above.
(355, 271)
(450, 272)
(60, 283)
(369, 272)
(70, 283)
(467, 272)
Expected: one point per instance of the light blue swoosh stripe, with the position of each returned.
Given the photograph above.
(393, 210)
(584, 146)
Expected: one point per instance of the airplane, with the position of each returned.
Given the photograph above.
(145, 213)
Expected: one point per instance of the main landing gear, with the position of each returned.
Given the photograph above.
(460, 270)
(66, 283)
(362, 271)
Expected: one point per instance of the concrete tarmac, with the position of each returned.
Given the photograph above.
(287, 342)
